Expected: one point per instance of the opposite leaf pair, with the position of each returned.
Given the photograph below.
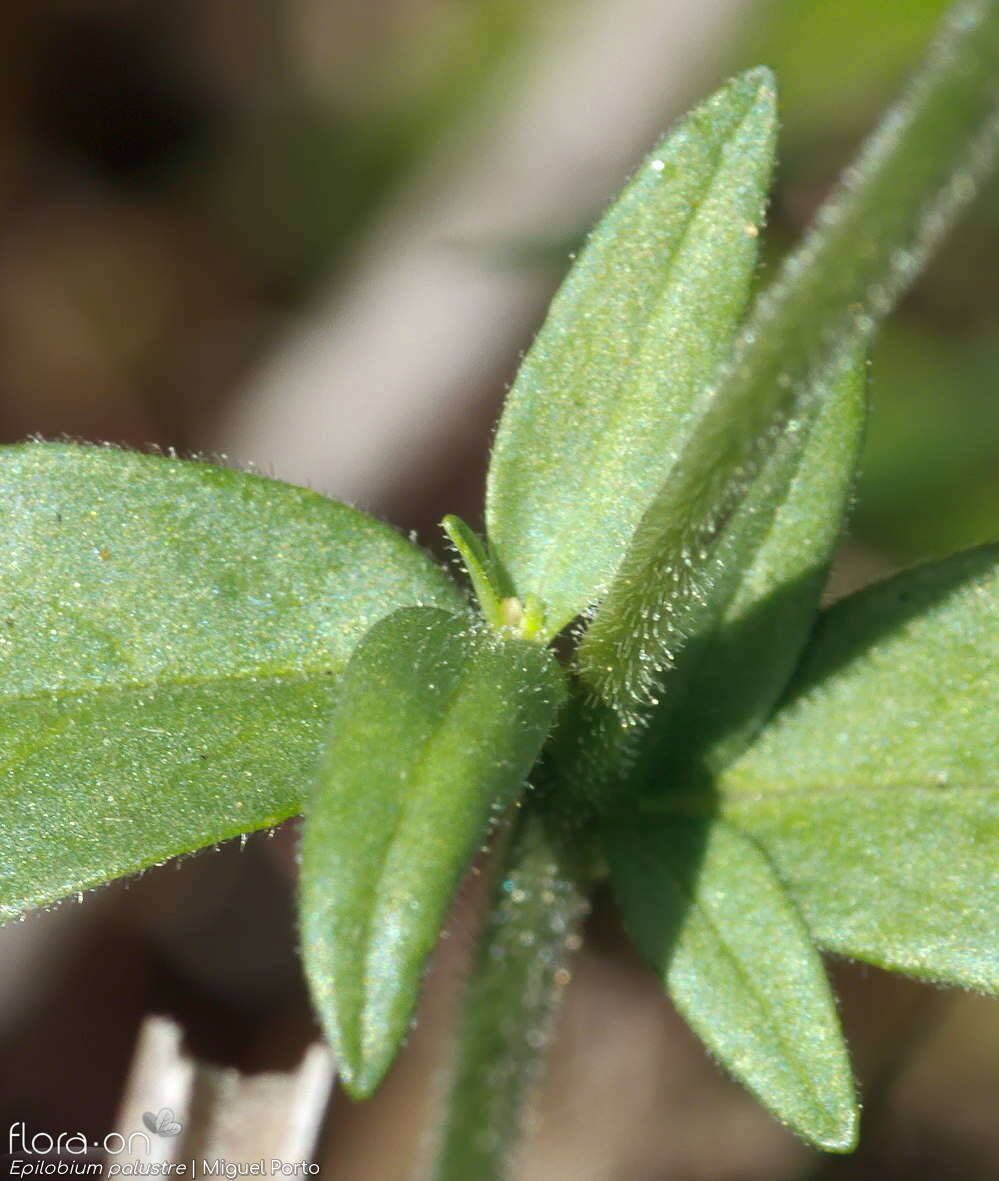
(176, 637)
(698, 511)
(699, 518)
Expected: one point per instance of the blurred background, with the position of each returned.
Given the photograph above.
(314, 236)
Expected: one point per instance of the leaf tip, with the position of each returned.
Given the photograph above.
(364, 1049)
(832, 1120)
(762, 79)
(841, 1134)
(361, 1078)
(754, 90)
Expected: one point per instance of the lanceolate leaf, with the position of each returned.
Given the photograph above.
(437, 725)
(743, 635)
(898, 687)
(904, 878)
(916, 173)
(603, 401)
(876, 786)
(706, 909)
(170, 638)
(478, 568)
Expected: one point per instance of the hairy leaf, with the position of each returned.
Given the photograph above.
(904, 878)
(478, 567)
(916, 173)
(899, 686)
(706, 909)
(603, 400)
(876, 786)
(170, 637)
(436, 727)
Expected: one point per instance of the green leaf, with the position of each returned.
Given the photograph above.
(743, 636)
(916, 173)
(706, 909)
(904, 878)
(603, 400)
(437, 725)
(898, 687)
(875, 788)
(478, 567)
(170, 637)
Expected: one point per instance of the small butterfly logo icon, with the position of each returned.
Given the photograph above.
(163, 1123)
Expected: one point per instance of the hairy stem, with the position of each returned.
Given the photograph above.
(509, 1005)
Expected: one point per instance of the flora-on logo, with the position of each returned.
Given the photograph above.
(163, 1123)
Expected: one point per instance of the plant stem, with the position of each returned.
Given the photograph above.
(509, 1004)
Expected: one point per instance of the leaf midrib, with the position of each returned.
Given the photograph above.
(375, 894)
(66, 889)
(620, 408)
(759, 790)
(799, 1069)
(324, 673)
